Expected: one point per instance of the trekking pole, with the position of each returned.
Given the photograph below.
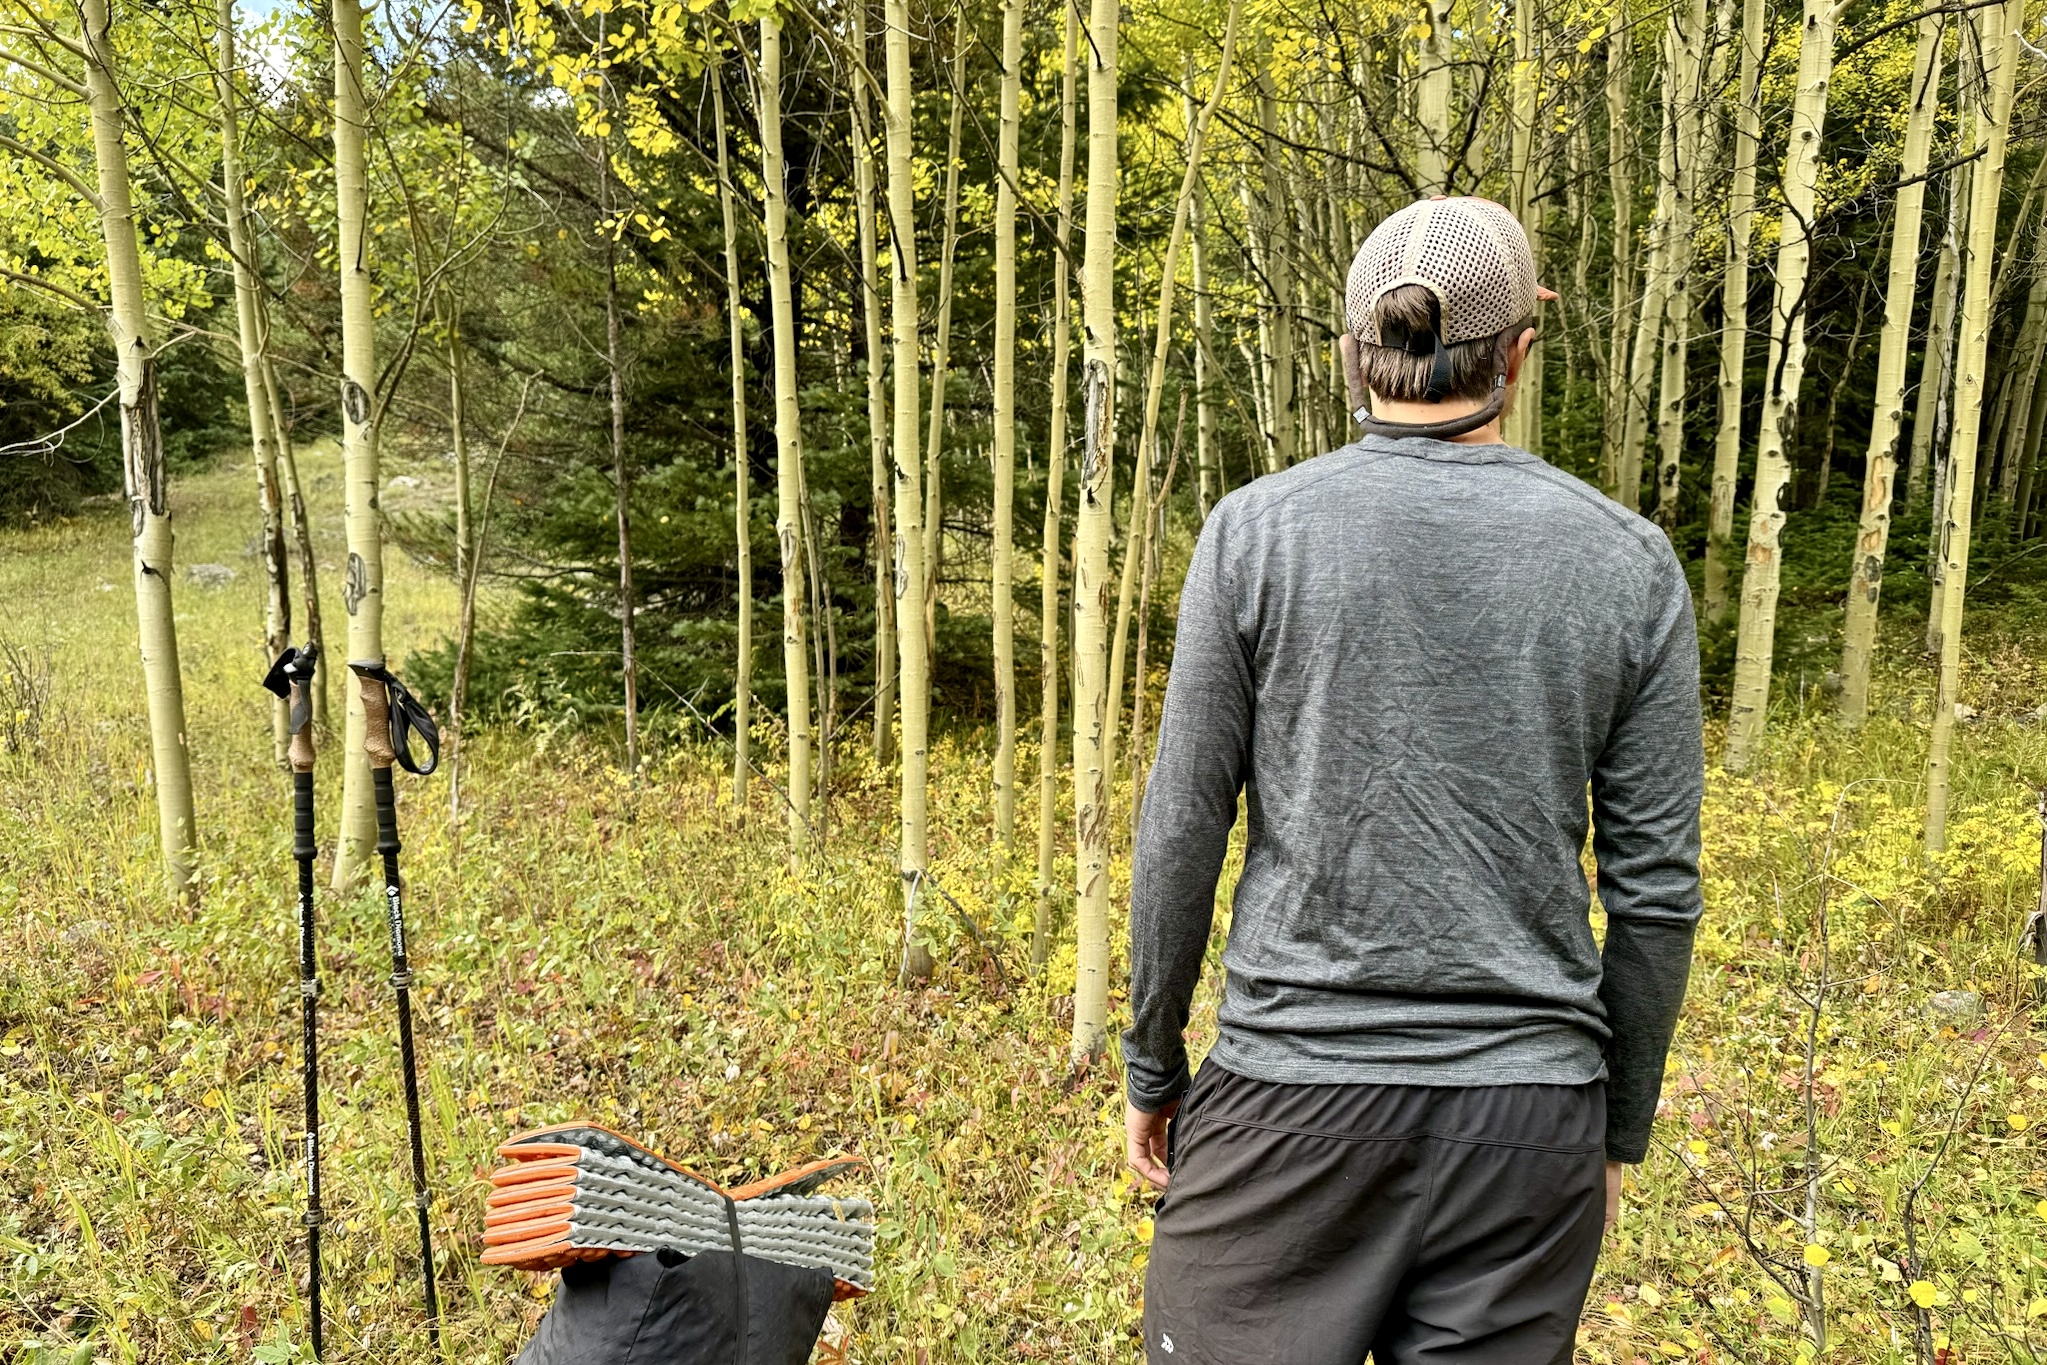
(291, 677)
(390, 715)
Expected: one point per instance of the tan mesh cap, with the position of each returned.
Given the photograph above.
(1470, 253)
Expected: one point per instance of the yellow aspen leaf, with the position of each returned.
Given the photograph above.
(213, 1099)
(1922, 1293)
(1144, 1230)
(2019, 1122)
(1817, 1255)
(1650, 1295)
(2041, 1208)
(2037, 1309)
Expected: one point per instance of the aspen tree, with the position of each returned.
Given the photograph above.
(1522, 175)
(1205, 441)
(1055, 475)
(2024, 374)
(1092, 703)
(621, 478)
(142, 454)
(1929, 413)
(1642, 358)
(909, 547)
(1137, 544)
(301, 526)
(941, 353)
(1278, 267)
(1866, 571)
(1005, 425)
(363, 591)
(1685, 68)
(1756, 631)
(788, 431)
(1433, 92)
(465, 551)
(742, 520)
(1743, 151)
(1621, 191)
(249, 334)
(877, 402)
(2001, 37)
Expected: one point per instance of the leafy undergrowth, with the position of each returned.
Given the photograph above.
(585, 949)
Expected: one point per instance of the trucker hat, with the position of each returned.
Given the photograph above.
(1471, 253)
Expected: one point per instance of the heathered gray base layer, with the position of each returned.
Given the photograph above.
(1413, 658)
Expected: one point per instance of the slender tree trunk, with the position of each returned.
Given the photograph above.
(1279, 272)
(262, 430)
(941, 358)
(1656, 289)
(1741, 208)
(909, 556)
(1155, 517)
(1522, 178)
(1092, 701)
(1205, 440)
(1055, 476)
(1005, 427)
(1433, 92)
(1621, 191)
(142, 457)
(363, 592)
(742, 498)
(301, 531)
(1756, 632)
(1135, 549)
(465, 553)
(877, 406)
(2001, 56)
(2024, 379)
(2029, 457)
(788, 432)
(1867, 569)
(1686, 64)
(621, 476)
(1930, 410)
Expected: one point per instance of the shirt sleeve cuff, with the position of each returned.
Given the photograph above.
(1151, 1088)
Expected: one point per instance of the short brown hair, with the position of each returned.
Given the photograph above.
(1391, 372)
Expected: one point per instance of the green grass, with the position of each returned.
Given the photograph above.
(624, 955)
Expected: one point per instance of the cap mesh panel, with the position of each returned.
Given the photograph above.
(1470, 253)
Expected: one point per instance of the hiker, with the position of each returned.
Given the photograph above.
(1412, 656)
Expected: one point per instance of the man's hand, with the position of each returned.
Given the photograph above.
(1144, 1144)
(1613, 1193)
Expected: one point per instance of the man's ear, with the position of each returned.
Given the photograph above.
(1517, 354)
(1353, 370)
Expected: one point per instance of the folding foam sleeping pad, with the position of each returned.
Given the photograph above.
(738, 1275)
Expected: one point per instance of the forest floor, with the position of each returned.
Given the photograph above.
(589, 949)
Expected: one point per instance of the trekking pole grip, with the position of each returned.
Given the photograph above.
(376, 714)
(301, 751)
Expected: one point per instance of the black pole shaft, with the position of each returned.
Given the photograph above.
(401, 985)
(304, 849)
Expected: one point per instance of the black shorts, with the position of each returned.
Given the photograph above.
(1311, 1224)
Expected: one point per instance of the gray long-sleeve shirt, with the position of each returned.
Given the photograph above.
(1414, 657)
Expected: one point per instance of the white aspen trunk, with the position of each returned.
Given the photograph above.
(1521, 183)
(1930, 408)
(788, 433)
(742, 497)
(909, 546)
(1091, 701)
(1756, 632)
(1136, 547)
(1433, 93)
(142, 457)
(2001, 57)
(941, 354)
(864, 190)
(1005, 426)
(621, 476)
(1866, 571)
(363, 591)
(1621, 193)
(1208, 487)
(1642, 360)
(1686, 66)
(1055, 477)
(249, 330)
(301, 530)
(465, 552)
(2024, 375)
(1741, 210)
(1279, 271)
